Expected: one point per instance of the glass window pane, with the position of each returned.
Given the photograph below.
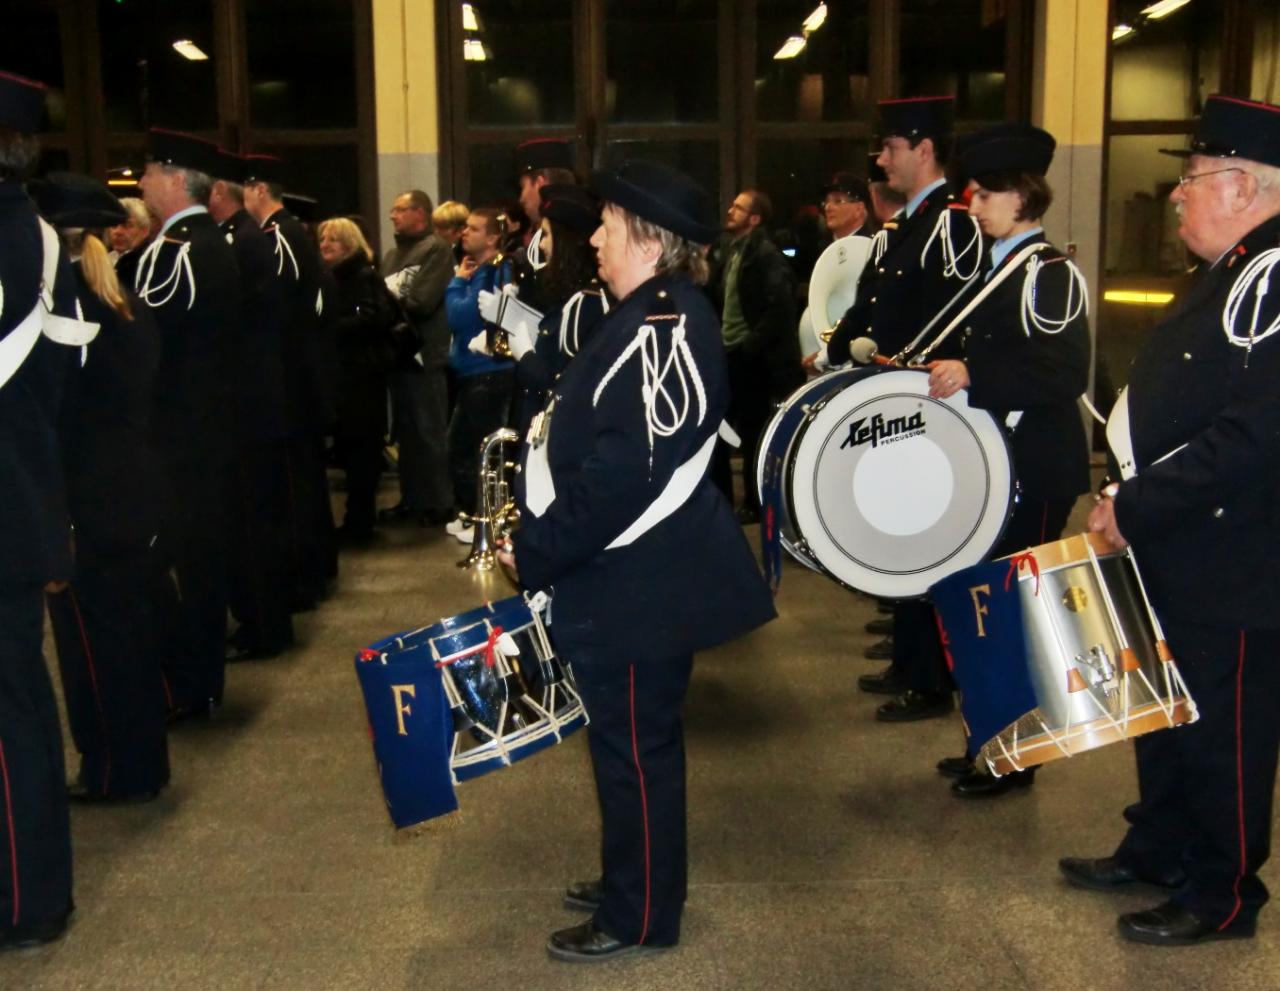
(661, 60)
(1142, 226)
(328, 174)
(302, 64)
(30, 46)
(697, 159)
(492, 168)
(519, 62)
(827, 78)
(1163, 69)
(1266, 55)
(947, 47)
(145, 80)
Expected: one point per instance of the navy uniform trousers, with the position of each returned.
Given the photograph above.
(636, 738)
(259, 528)
(35, 827)
(1205, 790)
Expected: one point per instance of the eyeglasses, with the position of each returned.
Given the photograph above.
(1186, 180)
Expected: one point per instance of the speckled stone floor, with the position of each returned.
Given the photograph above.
(825, 852)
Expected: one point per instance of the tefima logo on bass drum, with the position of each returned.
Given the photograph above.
(877, 430)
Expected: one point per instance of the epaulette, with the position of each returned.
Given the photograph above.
(957, 205)
(889, 225)
(669, 310)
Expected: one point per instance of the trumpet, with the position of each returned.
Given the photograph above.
(496, 513)
(499, 346)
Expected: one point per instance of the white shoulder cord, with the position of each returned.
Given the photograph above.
(950, 259)
(1077, 299)
(150, 294)
(879, 245)
(655, 371)
(537, 261)
(574, 308)
(1256, 277)
(282, 250)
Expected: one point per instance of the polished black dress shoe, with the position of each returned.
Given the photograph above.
(585, 895)
(190, 712)
(979, 785)
(881, 650)
(78, 793)
(955, 767)
(35, 934)
(1171, 924)
(886, 682)
(1108, 874)
(882, 627)
(912, 705)
(587, 944)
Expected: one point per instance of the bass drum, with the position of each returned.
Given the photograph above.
(883, 488)
(833, 286)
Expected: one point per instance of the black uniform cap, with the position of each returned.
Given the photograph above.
(543, 153)
(855, 187)
(21, 103)
(1007, 148)
(305, 208)
(183, 151)
(659, 194)
(230, 167)
(1235, 128)
(917, 117)
(69, 200)
(572, 206)
(265, 168)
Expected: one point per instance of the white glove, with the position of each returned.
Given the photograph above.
(820, 361)
(479, 344)
(488, 305)
(521, 340)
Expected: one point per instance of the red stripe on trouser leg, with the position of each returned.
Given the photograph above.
(644, 805)
(105, 785)
(1235, 888)
(13, 839)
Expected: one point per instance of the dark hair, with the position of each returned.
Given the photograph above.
(556, 176)
(941, 147)
(419, 201)
(761, 206)
(492, 224)
(1031, 188)
(572, 265)
(18, 153)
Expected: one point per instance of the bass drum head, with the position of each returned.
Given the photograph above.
(775, 443)
(892, 491)
(833, 286)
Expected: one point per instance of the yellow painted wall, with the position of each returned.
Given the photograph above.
(404, 53)
(1069, 87)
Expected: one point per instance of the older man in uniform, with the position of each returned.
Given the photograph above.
(309, 358)
(188, 277)
(844, 206)
(1203, 407)
(917, 270)
(35, 830)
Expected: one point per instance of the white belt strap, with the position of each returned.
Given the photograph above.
(674, 494)
(1120, 438)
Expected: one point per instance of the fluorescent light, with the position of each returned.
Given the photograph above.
(190, 50)
(816, 19)
(1163, 8)
(792, 47)
(1136, 297)
(121, 182)
(1121, 31)
(473, 50)
(470, 22)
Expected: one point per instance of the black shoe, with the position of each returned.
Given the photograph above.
(882, 627)
(397, 513)
(886, 682)
(190, 712)
(955, 767)
(78, 793)
(747, 515)
(587, 944)
(354, 536)
(881, 650)
(1171, 924)
(584, 895)
(234, 653)
(1108, 874)
(912, 705)
(436, 517)
(35, 934)
(979, 785)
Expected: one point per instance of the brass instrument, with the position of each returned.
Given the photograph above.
(496, 512)
(499, 346)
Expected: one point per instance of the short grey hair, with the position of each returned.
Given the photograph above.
(1268, 176)
(198, 184)
(676, 255)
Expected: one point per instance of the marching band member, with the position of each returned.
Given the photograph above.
(1200, 463)
(1025, 356)
(643, 554)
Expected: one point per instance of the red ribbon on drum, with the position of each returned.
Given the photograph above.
(489, 646)
(1015, 565)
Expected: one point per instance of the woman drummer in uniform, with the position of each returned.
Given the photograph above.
(1026, 357)
(641, 551)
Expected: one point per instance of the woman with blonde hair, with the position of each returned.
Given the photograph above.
(365, 314)
(103, 625)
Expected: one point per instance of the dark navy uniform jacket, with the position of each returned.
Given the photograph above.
(34, 545)
(914, 279)
(688, 583)
(1205, 522)
(1042, 374)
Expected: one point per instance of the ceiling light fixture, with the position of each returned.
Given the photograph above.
(816, 19)
(188, 49)
(1163, 8)
(792, 47)
(1121, 31)
(470, 22)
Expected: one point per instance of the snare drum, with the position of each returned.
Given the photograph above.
(1074, 615)
(486, 682)
(881, 487)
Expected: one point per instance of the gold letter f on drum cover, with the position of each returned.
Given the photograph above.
(979, 609)
(398, 692)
